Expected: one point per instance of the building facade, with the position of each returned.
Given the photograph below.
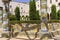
(52, 2)
(24, 6)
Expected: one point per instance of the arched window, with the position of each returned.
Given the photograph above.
(21, 7)
(47, 15)
(10, 6)
(59, 4)
(50, 1)
(26, 15)
(23, 16)
(56, 0)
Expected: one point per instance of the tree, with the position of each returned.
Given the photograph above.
(37, 15)
(58, 13)
(17, 13)
(53, 12)
(33, 14)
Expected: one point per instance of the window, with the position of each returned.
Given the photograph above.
(50, 1)
(38, 6)
(25, 2)
(23, 16)
(21, 7)
(26, 15)
(59, 4)
(10, 6)
(20, 12)
(56, 0)
(43, 0)
(36, 0)
(24, 11)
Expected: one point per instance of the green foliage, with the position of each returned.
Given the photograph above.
(33, 14)
(58, 13)
(5, 35)
(17, 13)
(37, 15)
(53, 12)
(12, 17)
(30, 21)
(52, 21)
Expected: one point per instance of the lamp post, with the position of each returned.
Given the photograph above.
(6, 3)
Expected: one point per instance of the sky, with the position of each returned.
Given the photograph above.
(21, 0)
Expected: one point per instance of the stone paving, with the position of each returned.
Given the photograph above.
(51, 26)
(3, 38)
(15, 39)
(21, 39)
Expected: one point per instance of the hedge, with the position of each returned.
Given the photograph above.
(31, 21)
